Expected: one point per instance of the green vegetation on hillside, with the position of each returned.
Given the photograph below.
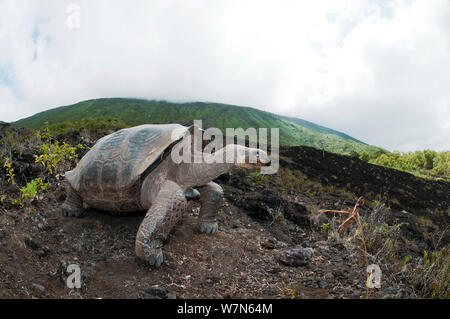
(319, 128)
(91, 123)
(133, 112)
(425, 163)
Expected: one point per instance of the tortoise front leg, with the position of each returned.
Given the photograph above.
(73, 206)
(167, 209)
(211, 196)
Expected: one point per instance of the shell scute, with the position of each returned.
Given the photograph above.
(136, 145)
(90, 176)
(110, 172)
(111, 147)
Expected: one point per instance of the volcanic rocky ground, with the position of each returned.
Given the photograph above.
(264, 222)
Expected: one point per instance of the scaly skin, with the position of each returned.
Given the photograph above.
(73, 206)
(211, 196)
(162, 216)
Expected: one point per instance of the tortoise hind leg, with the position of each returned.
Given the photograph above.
(73, 206)
(212, 198)
(166, 211)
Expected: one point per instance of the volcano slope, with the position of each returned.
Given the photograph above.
(263, 218)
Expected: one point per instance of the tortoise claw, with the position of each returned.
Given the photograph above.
(152, 252)
(156, 258)
(71, 211)
(209, 228)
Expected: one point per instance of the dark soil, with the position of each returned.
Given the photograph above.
(398, 189)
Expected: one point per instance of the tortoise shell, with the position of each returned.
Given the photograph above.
(109, 174)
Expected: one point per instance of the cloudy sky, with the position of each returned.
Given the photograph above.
(377, 70)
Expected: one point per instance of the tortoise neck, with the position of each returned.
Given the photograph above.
(205, 167)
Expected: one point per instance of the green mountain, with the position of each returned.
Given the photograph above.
(293, 131)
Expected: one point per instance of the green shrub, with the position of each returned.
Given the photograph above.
(425, 163)
(52, 154)
(29, 191)
(256, 177)
(9, 170)
(382, 238)
(441, 164)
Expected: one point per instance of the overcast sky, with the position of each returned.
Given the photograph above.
(377, 70)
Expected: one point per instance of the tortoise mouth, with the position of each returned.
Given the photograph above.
(249, 166)
(255, 166)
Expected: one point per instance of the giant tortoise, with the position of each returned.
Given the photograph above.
(131, 170)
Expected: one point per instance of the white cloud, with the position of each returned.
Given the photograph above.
(375, 70)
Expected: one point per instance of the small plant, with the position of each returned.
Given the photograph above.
(433, 276)
(286, 291)
(381, 236)
(18, 202)
(325, 227)
(291, 180)
(406, 260)
(13, 143)
(310, 193)
(53, 154)
(29, 191)
(9, 170)
(256, 177)
(276, 214)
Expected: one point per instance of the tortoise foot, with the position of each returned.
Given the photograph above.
(156, 258)
(151, 252)
(73, 206)
(192, 194)
(209, 227)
